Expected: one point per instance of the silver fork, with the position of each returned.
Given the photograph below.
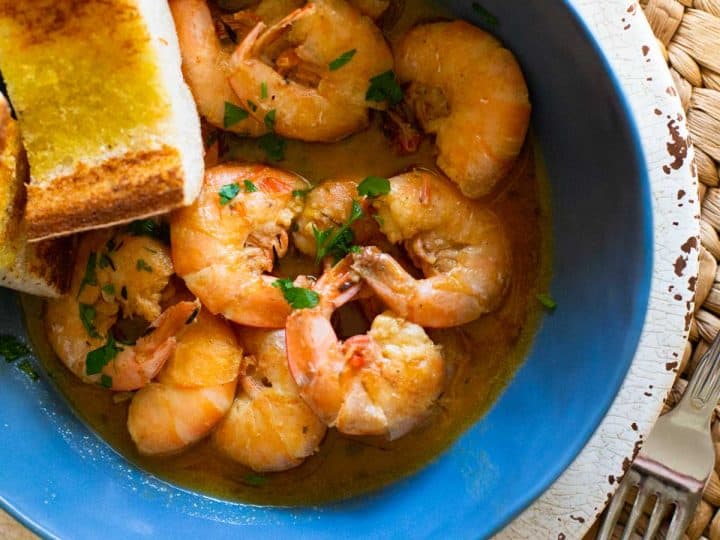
(676, 459)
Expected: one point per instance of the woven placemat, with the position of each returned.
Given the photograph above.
(689, 34)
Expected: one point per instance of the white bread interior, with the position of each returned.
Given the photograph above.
(111, 130)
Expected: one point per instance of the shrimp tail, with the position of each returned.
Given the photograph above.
(417, 300)
(135, 366)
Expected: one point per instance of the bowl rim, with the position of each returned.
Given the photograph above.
(570, 506)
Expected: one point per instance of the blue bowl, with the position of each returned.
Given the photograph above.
(61, 480)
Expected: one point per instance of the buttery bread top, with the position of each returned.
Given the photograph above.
(109, 126)
(42, 268)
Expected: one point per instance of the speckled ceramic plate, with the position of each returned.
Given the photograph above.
(573, 502)
(625, 248)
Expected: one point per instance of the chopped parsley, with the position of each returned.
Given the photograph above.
(270, 119)
(341, 60)
(106, 261)
(252, 105)
(26, 367)
(11, 348)
(337, 242)
(263, 90)
(90, 277)
(105, 381)
(228, 192)
(254, 480)
(297, 297)
(547, 301)
(97, 359)
(273, 146)
(302, 193)
(109, 289)
(233, 114)
(87, 316)
(374, 186)
(249, 186)
(486, 17)
(141, 265)
(150, 228)
(384, 87)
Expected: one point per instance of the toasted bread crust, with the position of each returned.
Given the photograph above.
(134, 185)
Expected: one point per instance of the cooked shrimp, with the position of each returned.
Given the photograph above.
(224, 252)
(116, 271)
(206, 67)
(329, 205)
(469, 91)
(380, 383)
(459, 244)
(291, 61)
(193, 391)
(270, 427)
(372, 8)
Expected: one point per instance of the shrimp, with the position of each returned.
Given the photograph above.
(380, 383)
(470, 92)
(270, 427)
(225, 251)
(193, 391)
(291, 62)
(459, 244)
(206, 67)
(116, 274)
(329, 205)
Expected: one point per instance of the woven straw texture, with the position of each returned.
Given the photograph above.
(689, 34)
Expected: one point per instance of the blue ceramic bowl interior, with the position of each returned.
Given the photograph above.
(61, 480)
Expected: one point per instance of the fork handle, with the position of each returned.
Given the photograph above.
(703, 390)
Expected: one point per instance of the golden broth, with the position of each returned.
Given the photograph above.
(481, 356)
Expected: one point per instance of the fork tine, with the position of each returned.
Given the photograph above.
(613, 511)
(679, 523)
(656, 517)
(636, 511)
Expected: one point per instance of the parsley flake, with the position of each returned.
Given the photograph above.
(254, 480)
(302, 193)
(249, 186)
(374, 186)
(105, 381)
(87, 316)
(341, 60)
(547, 301)
(270, 119)
(90, 277)
(384, 87)
(337, 242)
(26, 367)
(141, 265)
(150, 228)
(485, 16)
(263, 90)
(252, 105)
(273, 146)
(106, 261)
(109, 289)
(228, 192)
(97, 359)
(297, 297)
(11, 348)
(233, 114)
